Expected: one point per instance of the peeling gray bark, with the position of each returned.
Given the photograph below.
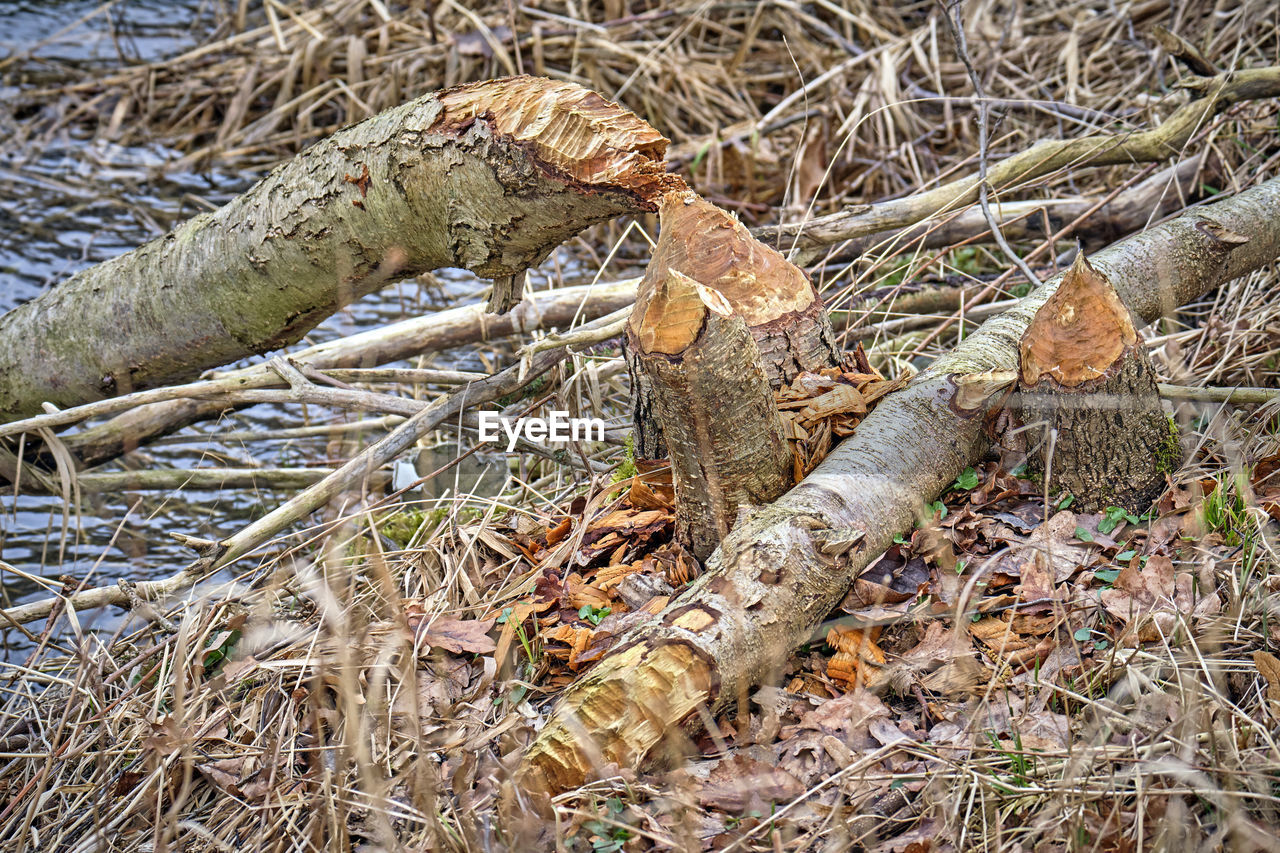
(490, 177)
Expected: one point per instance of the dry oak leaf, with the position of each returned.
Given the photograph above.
(1149, 598)
(735, 784)
(459, 636)
(1052, 541)
(1269, 666)
(239, 777)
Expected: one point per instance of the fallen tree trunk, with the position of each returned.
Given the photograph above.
(783, 569)
(490, 176)
(1097, 221)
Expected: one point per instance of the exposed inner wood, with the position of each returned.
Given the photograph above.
(568, 128)
(774, 297)
(1080, 332)
(623, 714)
(1088, 392)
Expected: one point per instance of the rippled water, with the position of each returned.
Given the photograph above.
(77, 202)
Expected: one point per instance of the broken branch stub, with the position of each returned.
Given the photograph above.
(780, 306)
(1088, 391)
(491, 176)
(726, 440)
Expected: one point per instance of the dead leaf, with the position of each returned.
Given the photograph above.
(738, 783)
(1269, 666)
(1150, 598)
(459, 636)
(555, 534)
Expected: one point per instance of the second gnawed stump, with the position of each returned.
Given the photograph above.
(781, 308)
(726, 440)
(1088, 394)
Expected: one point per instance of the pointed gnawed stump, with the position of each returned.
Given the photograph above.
(726, 440)
(1088, 392)
(780, 306)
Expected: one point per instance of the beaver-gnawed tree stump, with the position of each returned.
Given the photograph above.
(780, 306)
(726, 440)
(1088, 391)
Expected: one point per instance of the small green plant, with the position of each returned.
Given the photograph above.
(1224, 510)
(608, 835)
(219, 650)
(967, 481)
(400, 527)
(627, 469)
(1113, 516)
(1085, 635)
(518, 691)
(1107, 576)
(1021, 764)
(594, 615)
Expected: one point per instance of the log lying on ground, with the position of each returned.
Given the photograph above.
(783, 569)
(780, 306)
(1211, 96)
(1098, 221)
(490, 176)
(418, 336)
(1087, 393)
(726, 440)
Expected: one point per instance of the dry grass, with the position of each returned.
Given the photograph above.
(302, 707)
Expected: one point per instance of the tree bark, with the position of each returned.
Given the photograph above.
(780, 572)
(489, 176)
(780, 306)
(723, 432)
(1087, 391)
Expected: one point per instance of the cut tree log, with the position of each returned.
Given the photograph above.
(489, 176)
(780, 306)
(783, 569)
(726, 440)
(1087, 391)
